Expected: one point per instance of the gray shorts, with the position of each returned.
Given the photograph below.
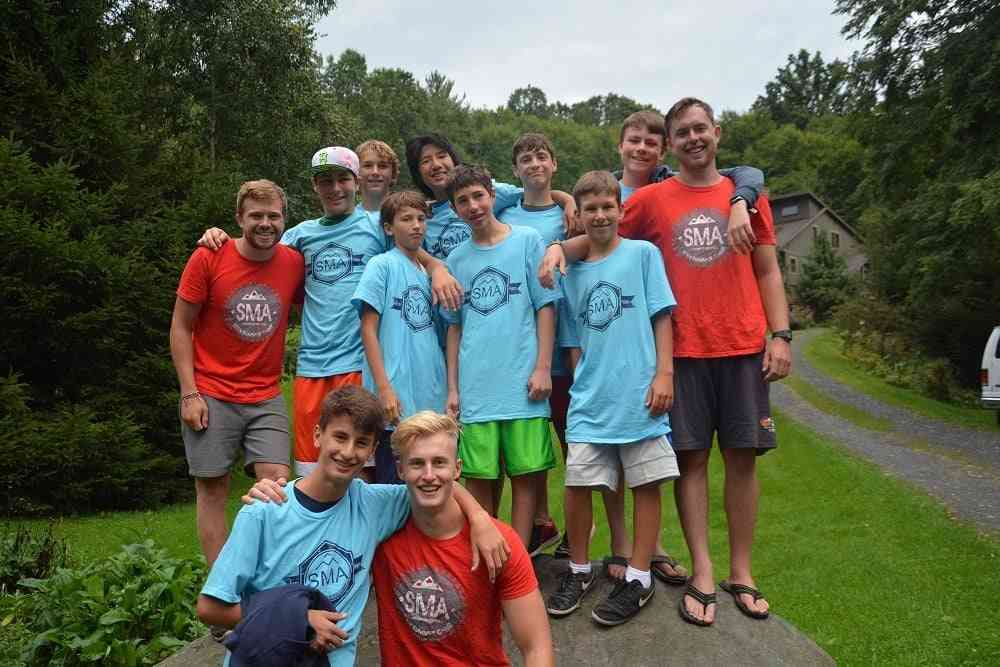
(643, 462)
(258, 430)
(726, 396)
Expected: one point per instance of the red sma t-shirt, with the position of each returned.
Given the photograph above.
(432, 610)
(239, 337)
(719, 312)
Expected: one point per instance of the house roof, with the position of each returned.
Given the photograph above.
(797, 227)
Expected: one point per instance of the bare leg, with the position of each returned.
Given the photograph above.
(497, 495)
(579, 516)
(482, 491)
(273, 471)
(522, 504)
(691, 494)
(614, 507)
(646, 518)
(542, 515)
(211, 495)
(741, 492)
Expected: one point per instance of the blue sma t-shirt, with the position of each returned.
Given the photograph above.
(607, 313)
(499, 345)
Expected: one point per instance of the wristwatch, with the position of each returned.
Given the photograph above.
(740, 198)
(783, 334)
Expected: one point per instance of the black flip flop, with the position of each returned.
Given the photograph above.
(704, 598)
(614, 560)
(672, 579)
(736, 590)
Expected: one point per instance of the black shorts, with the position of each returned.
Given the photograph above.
(726, 396)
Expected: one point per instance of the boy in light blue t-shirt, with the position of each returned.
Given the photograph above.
(617, 313)
(325, 533)
(404, 365)
(534, 162)
(500, 351)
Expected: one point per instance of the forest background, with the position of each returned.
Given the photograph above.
(127, 127)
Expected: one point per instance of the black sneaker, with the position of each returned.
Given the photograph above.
(542, 537)
(572, 588)
(562, 551)
(624, 602)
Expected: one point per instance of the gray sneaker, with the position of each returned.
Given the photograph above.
(624, 602)
(572, 587)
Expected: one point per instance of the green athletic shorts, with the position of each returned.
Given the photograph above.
(525, 445)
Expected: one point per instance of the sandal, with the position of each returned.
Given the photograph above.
(704, 598)
(614, 560)
(736, 590)
(672, 579)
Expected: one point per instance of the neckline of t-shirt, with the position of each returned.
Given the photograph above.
(693, 188)
(487, 248)
(598, 262)
(462, 534)
(410, 262)
(306, 512)
(328, 221)
(252, 262)
(528, 208)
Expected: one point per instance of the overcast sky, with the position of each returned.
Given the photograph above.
(653, 52)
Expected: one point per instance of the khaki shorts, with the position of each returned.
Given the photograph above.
(643, 462)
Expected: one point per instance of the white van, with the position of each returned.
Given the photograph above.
(989, 373)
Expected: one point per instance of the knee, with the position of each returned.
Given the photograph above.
(212, 489)
(693, 464)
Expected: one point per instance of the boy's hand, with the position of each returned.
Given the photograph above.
(777, 360)
(329, 635)
(452, 408)
(213, 238)
(266, 490)
(390, 404)
(660, 395)
(571, 222)
(554, 258)
(194, 412)
(539, 385)
(445, 290)
(740, 232)
(487, 541)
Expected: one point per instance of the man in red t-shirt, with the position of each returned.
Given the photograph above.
(726, 302)
(227, 340)
(432, 610)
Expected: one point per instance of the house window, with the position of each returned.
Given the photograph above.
(793, 266)
(790, 210)
(834, 240)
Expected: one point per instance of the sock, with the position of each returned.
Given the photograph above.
(632, 574)
(580, 569)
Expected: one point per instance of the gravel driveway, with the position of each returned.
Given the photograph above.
(959, 466)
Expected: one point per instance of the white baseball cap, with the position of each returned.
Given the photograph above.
(333, 157)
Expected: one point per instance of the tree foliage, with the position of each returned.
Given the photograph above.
(806, 87)
(824, 282)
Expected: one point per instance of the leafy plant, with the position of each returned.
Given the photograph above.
(25, 553)
(133, 608)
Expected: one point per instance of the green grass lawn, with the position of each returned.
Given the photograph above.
(824, 352)
(875, 571)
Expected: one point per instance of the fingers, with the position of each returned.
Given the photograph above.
(475, 559)
(203, 416)
(648, 401)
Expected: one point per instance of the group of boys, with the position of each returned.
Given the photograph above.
(456, 306)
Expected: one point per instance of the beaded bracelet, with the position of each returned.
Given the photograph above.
(193, 394)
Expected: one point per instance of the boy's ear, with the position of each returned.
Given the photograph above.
(458, 467)
(316, 433)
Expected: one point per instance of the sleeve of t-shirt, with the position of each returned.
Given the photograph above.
(762, 222)
(534, 250)
(194, 284)
(379, 232)
(237, 562)
(517, 578)
(292, 237)
(389, 504)
(659, 296)
(507, 195)
(371, 286)
(635, 212)
(566, 333)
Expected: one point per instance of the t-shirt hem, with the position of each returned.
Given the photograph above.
(220, 594)
(498, 418)
(739, 352)
(243, 399)
(618, 440)
(326, 373)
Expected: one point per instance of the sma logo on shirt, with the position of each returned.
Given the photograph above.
(332, 262)
(700, 238)
(415, 307)
(454, 233)
(489, 290)
(431, 602)
(331, 568)
(253, 312)
(604, 305)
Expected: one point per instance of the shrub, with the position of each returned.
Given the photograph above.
(133, 608)
(25, 553)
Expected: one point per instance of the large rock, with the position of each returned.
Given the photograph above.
(656, 637)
